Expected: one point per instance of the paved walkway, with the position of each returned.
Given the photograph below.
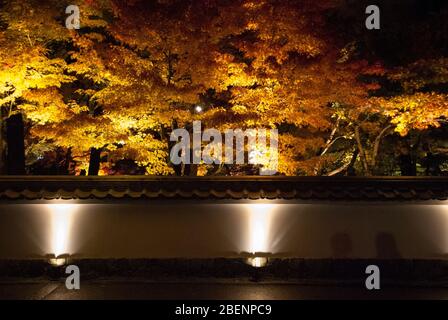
(132, 289)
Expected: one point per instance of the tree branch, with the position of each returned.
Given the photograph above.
(328, 144)
(377, 143)
(346, 166)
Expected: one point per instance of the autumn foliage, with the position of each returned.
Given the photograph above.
(104, 99)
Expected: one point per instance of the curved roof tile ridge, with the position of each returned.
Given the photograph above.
(246, 187)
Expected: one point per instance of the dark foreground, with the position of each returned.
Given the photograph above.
(42, 289)
(225, 279)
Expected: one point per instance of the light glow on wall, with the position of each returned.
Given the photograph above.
(260, 217)
(61, 223)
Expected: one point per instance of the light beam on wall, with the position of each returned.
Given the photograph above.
(61, 216)
(260, 218)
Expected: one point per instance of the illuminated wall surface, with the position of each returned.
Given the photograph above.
(223, 229)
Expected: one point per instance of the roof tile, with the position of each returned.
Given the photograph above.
(304, 188)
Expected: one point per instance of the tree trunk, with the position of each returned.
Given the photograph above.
(65, 167)
(407, 166)
(351, 168)
(178, 168)
(362, 152)
(377, 144)
(95, 159)
(16, 145)
(2, 144)
(192, 168)
(406, 161)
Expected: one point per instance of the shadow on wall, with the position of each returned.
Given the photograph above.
(386, 246)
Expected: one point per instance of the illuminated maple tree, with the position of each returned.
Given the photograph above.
(115, 89)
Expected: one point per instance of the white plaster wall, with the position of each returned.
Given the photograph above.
(195, 229)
